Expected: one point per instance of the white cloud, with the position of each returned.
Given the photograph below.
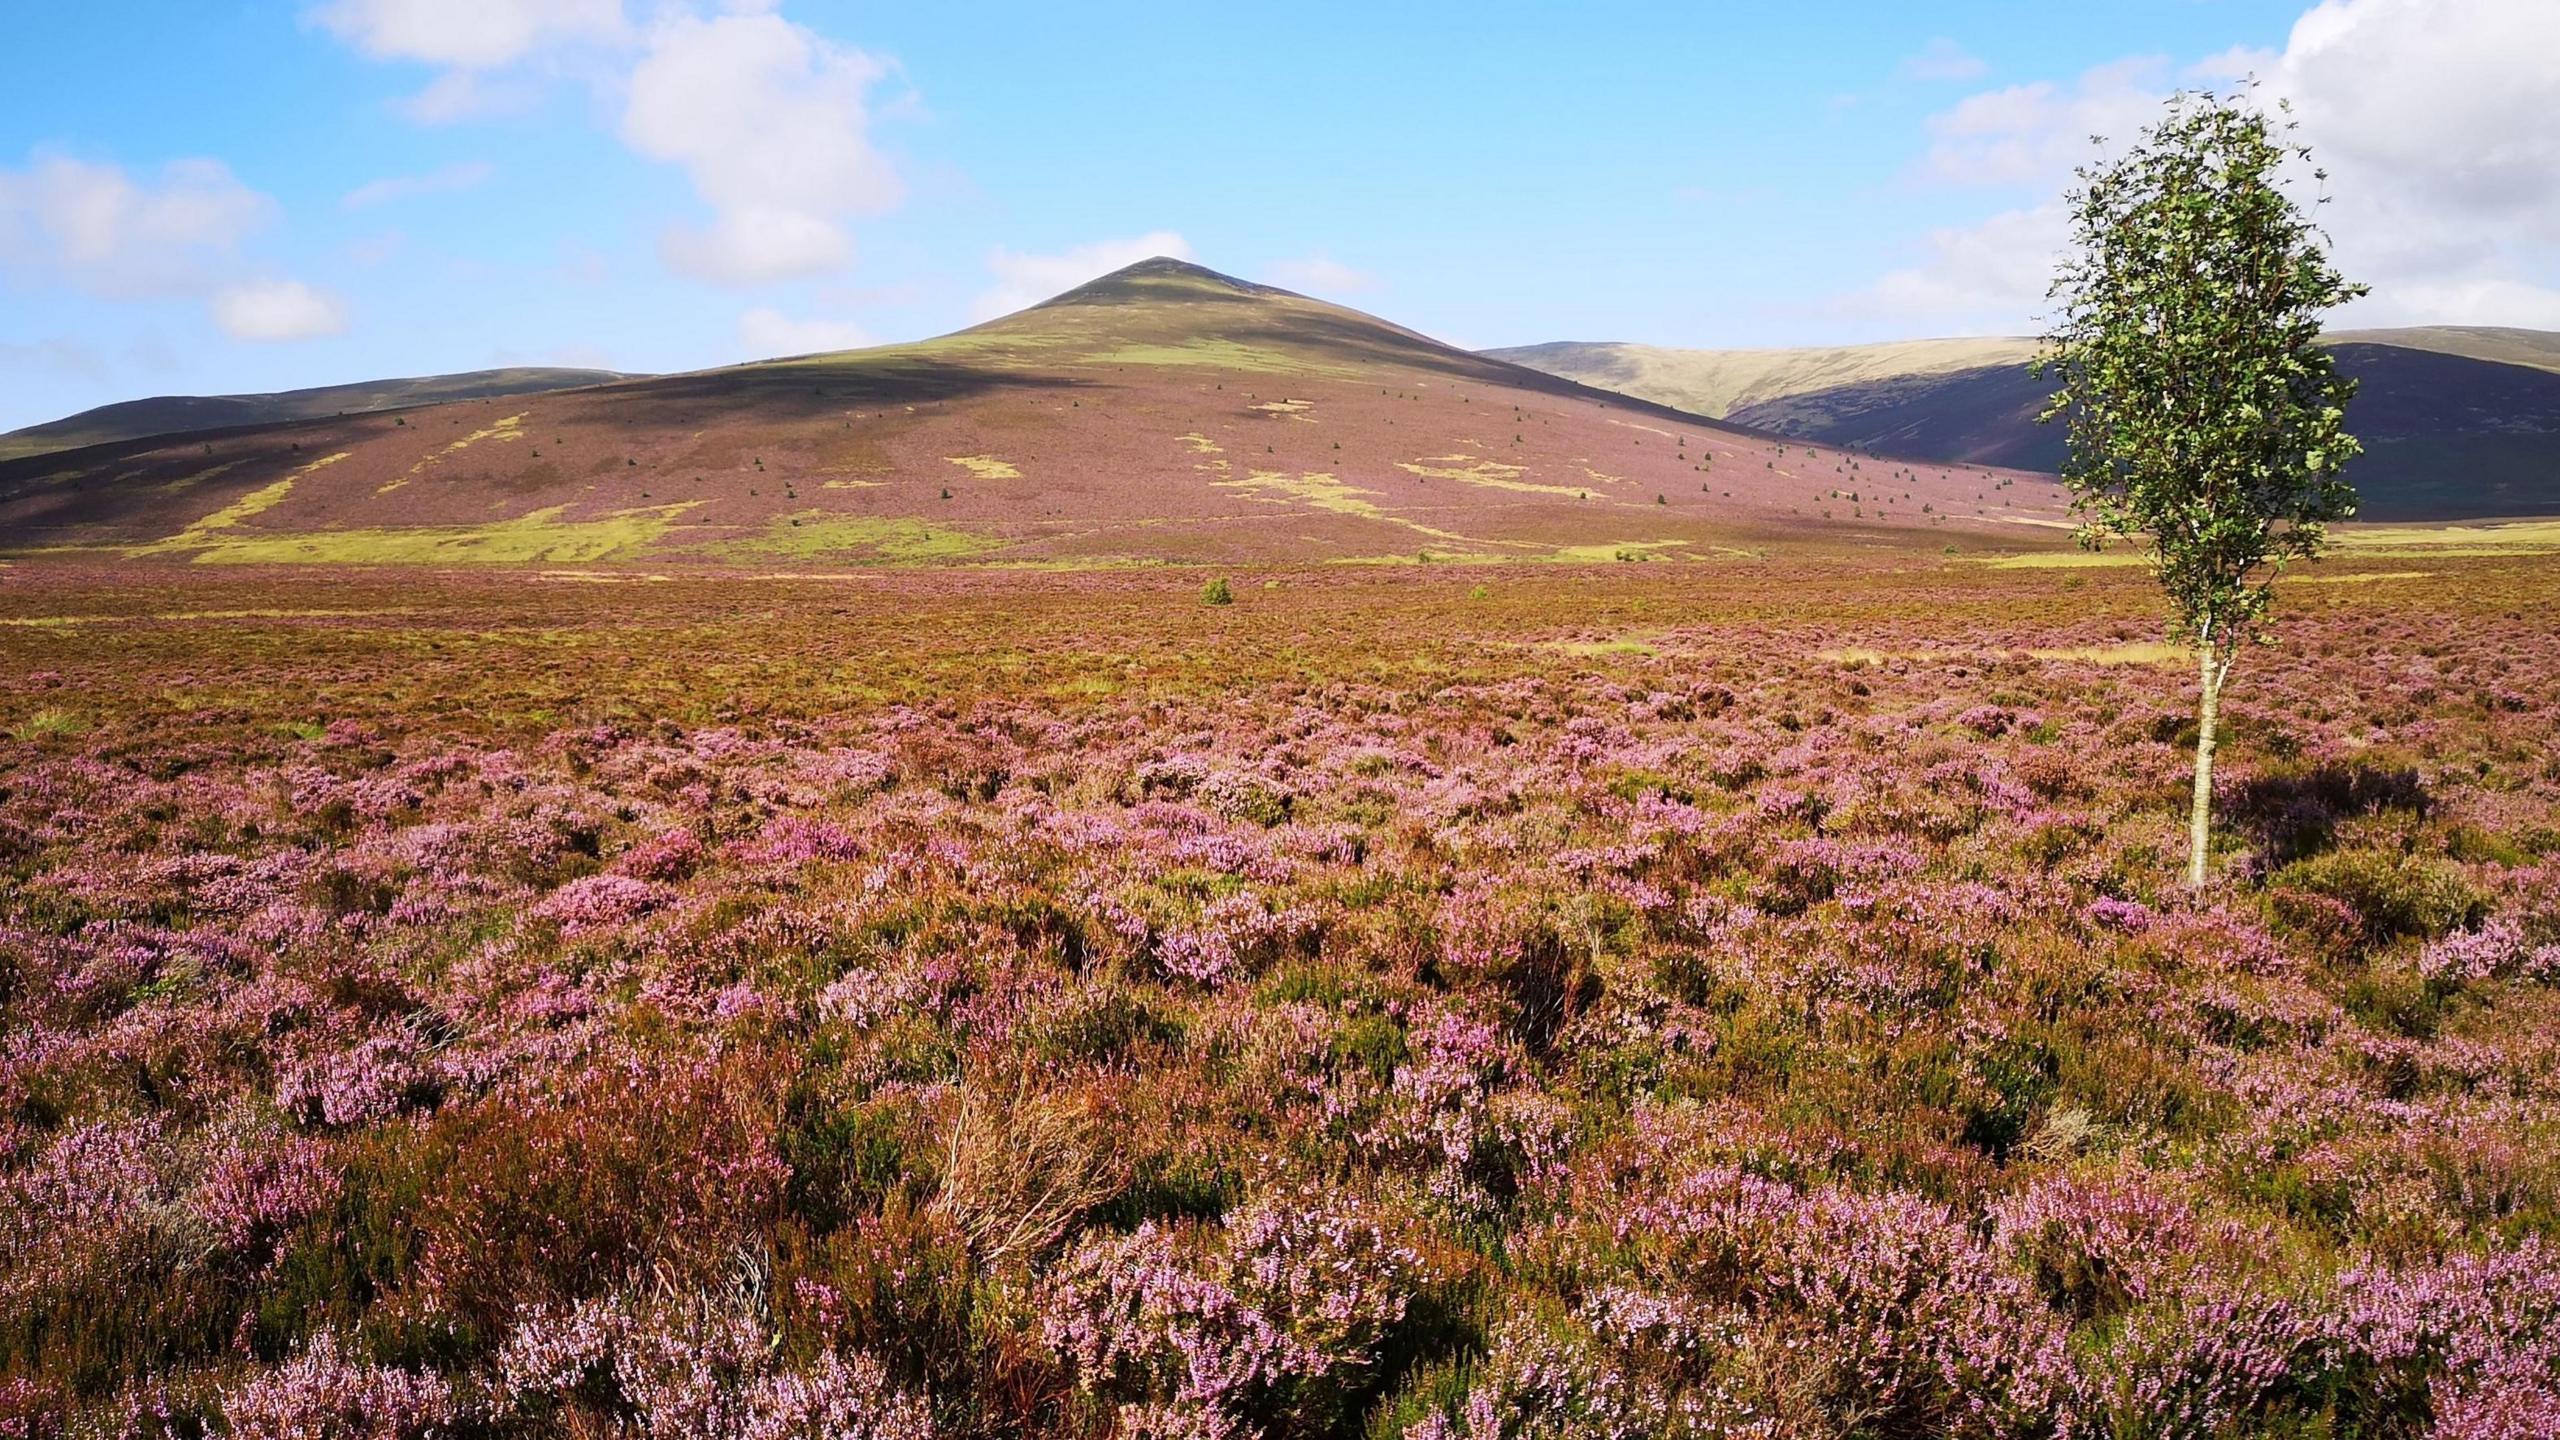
(1975, 279)
(445, 181)
(767, 332)
(2033, 134)
(2432, 118)
(1026, 280)
(1942, 61)
(758, 243)
(100, 230)
(488, 51)
(1321, 274)
(268, 310)
(769, 121)
(468, 34)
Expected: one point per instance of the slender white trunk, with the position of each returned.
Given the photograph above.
(2200, 812)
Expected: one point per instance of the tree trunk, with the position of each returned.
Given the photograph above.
(2200, 812)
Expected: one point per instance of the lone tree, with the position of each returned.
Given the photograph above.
(2206, 421)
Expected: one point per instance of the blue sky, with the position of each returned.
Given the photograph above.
(217, 195)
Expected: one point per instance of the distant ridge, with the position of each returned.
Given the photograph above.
(180, 414)
(2458, 422)
(1164, 413)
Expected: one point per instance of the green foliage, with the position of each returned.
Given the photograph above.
(1217, 592)
(2390, 894)
(2205, 419)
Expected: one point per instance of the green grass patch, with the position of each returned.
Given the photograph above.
(815, 534)
(539, 536)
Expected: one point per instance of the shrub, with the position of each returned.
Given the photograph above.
(2390, 895)
(1277, 1320)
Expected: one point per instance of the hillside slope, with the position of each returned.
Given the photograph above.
(1163, 413)
(2458, 422)
(180, 414)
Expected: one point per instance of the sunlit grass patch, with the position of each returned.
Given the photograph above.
(509, 428)
(2366, 577)
(2063, 560)
(2522, 537)
(1323, 491)
(1491, 474)
(812, 534)
(1429, 556)
(2134, 652)
(539, 536)
(1618, 550)
(51, 721)
(211, 529)
(1220, 353)
(1588, 649)
(188, 482)
(1327, 492)
(986, 467)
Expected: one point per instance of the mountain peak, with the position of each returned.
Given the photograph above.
(1162, 278)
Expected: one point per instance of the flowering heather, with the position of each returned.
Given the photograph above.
(1751, 1000)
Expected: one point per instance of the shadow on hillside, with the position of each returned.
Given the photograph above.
(142, 486)
(802, 389)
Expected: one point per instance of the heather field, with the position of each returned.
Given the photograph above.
(1731, 998)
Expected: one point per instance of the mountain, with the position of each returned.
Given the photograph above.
(2458, 422)
(179, 414)
(1162, 413)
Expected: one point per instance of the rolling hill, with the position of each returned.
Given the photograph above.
(1161, 413)
(2458, 423)
(181, 414)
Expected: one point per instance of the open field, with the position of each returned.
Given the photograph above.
(1736, 997)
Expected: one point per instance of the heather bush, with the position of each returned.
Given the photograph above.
(2385, 895)
(322, 1393)
(696, 1368)
(1277, 1321)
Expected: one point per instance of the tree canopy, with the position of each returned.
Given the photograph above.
(2206, 420)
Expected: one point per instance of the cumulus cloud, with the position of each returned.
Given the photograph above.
(1974, 279)
(468, 34)
(2035, 133)
(487, 50)
(272, 310)
(1026, 280)
(1321, 274)
(1942, 61)
(768, 332)
(445, 181)
(770, 122)
(101, 230)
(2431, 117)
